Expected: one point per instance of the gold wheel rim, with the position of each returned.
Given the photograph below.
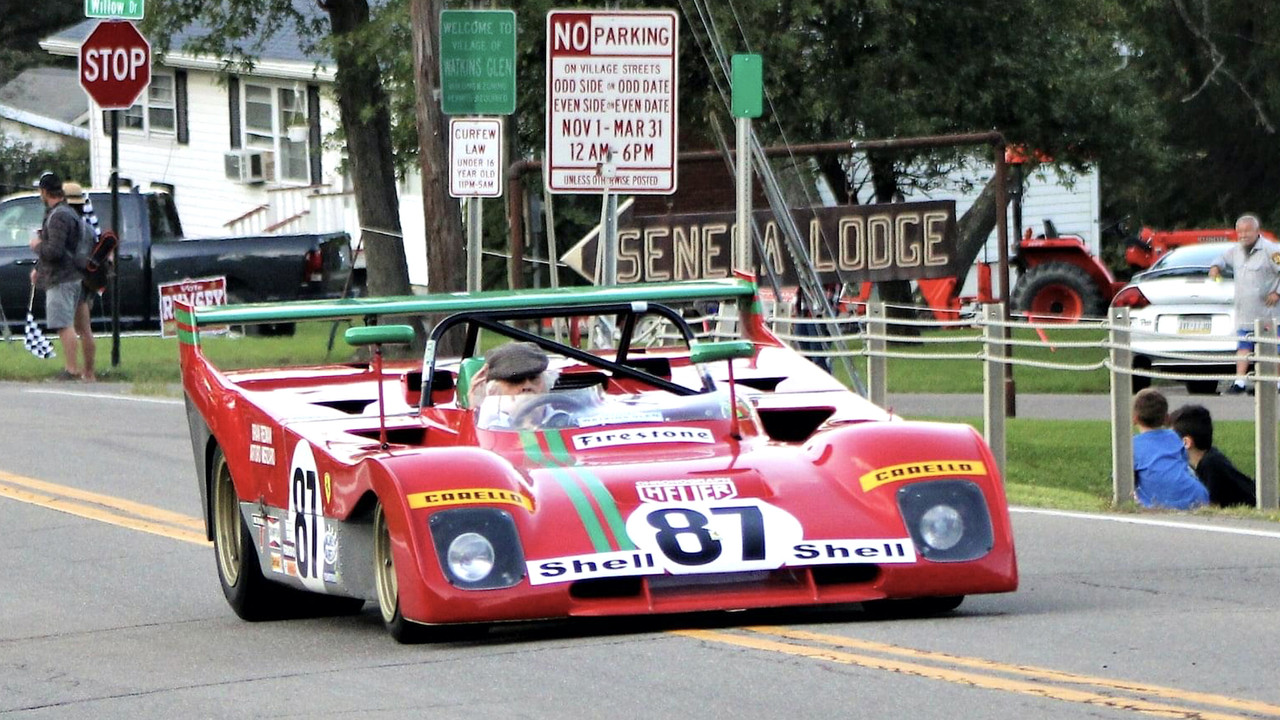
(226, 524)
(384, 568)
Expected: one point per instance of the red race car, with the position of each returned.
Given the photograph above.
(673, 456)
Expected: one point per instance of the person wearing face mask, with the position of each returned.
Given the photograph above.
(1255, 261)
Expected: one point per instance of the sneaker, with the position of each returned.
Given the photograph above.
(1237, 389)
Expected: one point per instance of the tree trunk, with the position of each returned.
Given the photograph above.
(446, 247)
(369, 152)
(975, 226)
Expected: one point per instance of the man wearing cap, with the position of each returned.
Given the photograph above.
(515, 369)
(56, 273)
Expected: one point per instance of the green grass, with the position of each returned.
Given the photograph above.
(1063, 464)
(924, 375)
(1066, 464)
(150, 363)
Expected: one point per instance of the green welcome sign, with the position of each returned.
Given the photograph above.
(478, 62)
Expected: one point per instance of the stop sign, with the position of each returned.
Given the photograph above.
(115, 64)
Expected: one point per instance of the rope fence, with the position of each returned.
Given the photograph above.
(869, 336)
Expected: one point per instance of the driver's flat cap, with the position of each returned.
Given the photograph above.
(515, 360)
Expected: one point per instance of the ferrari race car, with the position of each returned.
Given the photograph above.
(684, 459)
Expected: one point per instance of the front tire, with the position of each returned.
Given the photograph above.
(387, 584)
(1057, 291)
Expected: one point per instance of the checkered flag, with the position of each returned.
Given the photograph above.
(32, 339)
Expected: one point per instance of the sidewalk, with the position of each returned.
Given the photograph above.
(1060, 407)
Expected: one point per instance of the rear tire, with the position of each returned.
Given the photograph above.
(1057, 290)
(250, 594)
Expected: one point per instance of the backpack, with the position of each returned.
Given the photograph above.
(99, 262)
(95, 253)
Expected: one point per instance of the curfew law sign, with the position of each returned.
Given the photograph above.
(475, 157)
(611, 101)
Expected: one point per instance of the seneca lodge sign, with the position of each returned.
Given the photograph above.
(856, 243)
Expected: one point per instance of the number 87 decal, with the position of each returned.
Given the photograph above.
(741, 534)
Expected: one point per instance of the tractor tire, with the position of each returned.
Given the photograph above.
(1057, 291)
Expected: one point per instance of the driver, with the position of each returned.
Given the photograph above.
(510, 373)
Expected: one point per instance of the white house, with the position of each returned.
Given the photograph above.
(45, 108)
(242, 153)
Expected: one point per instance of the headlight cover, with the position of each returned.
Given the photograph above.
(947, 519)
(478, 548)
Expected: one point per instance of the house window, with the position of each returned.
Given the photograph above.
(275, 119)
(155, 113)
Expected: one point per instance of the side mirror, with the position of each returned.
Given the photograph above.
(728, 350)
(378, 335)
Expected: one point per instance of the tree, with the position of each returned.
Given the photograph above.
(870, 70)
(237, 27)
(1214, 68)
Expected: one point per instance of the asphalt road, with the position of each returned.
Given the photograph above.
(110, 608)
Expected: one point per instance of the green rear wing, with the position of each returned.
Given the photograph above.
(444, 303)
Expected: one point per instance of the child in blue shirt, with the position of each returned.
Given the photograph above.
(1162, 473)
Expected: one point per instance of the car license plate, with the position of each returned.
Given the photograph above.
(1195, 325)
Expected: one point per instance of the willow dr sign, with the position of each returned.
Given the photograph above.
(115, 64)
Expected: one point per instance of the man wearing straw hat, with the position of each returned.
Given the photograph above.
(55, 247)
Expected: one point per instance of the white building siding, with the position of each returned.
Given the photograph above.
(206, 199)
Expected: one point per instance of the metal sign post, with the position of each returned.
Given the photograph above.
(748, 103)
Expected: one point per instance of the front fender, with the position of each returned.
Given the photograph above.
(411, 487)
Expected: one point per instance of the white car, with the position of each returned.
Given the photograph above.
(1175, 308)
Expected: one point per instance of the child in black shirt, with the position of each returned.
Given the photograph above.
(1226, 484)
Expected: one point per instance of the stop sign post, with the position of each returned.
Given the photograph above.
(115, 64)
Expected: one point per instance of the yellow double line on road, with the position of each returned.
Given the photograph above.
(103, 508)
(977, 672)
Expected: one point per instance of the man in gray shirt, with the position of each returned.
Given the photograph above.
(1256, 262)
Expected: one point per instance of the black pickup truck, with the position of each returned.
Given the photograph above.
(153, 250)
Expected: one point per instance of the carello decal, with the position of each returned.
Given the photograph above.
(921, 470)
(853, 243)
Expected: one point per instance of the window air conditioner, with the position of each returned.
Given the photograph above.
(250, 166)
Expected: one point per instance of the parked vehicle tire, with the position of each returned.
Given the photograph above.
(1141, 382)
(1202, 387)
(1057, 290)
(260, 329)
(251, 596)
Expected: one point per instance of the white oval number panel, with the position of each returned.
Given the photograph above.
(305, 522)
(724, 536)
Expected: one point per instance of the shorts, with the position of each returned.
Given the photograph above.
(60, 303)
(1244, 344)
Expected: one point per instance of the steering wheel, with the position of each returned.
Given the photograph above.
(560, 404)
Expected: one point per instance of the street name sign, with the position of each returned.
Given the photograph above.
(478, 62)
(611, 101)
(475, 157)
(117, 9)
